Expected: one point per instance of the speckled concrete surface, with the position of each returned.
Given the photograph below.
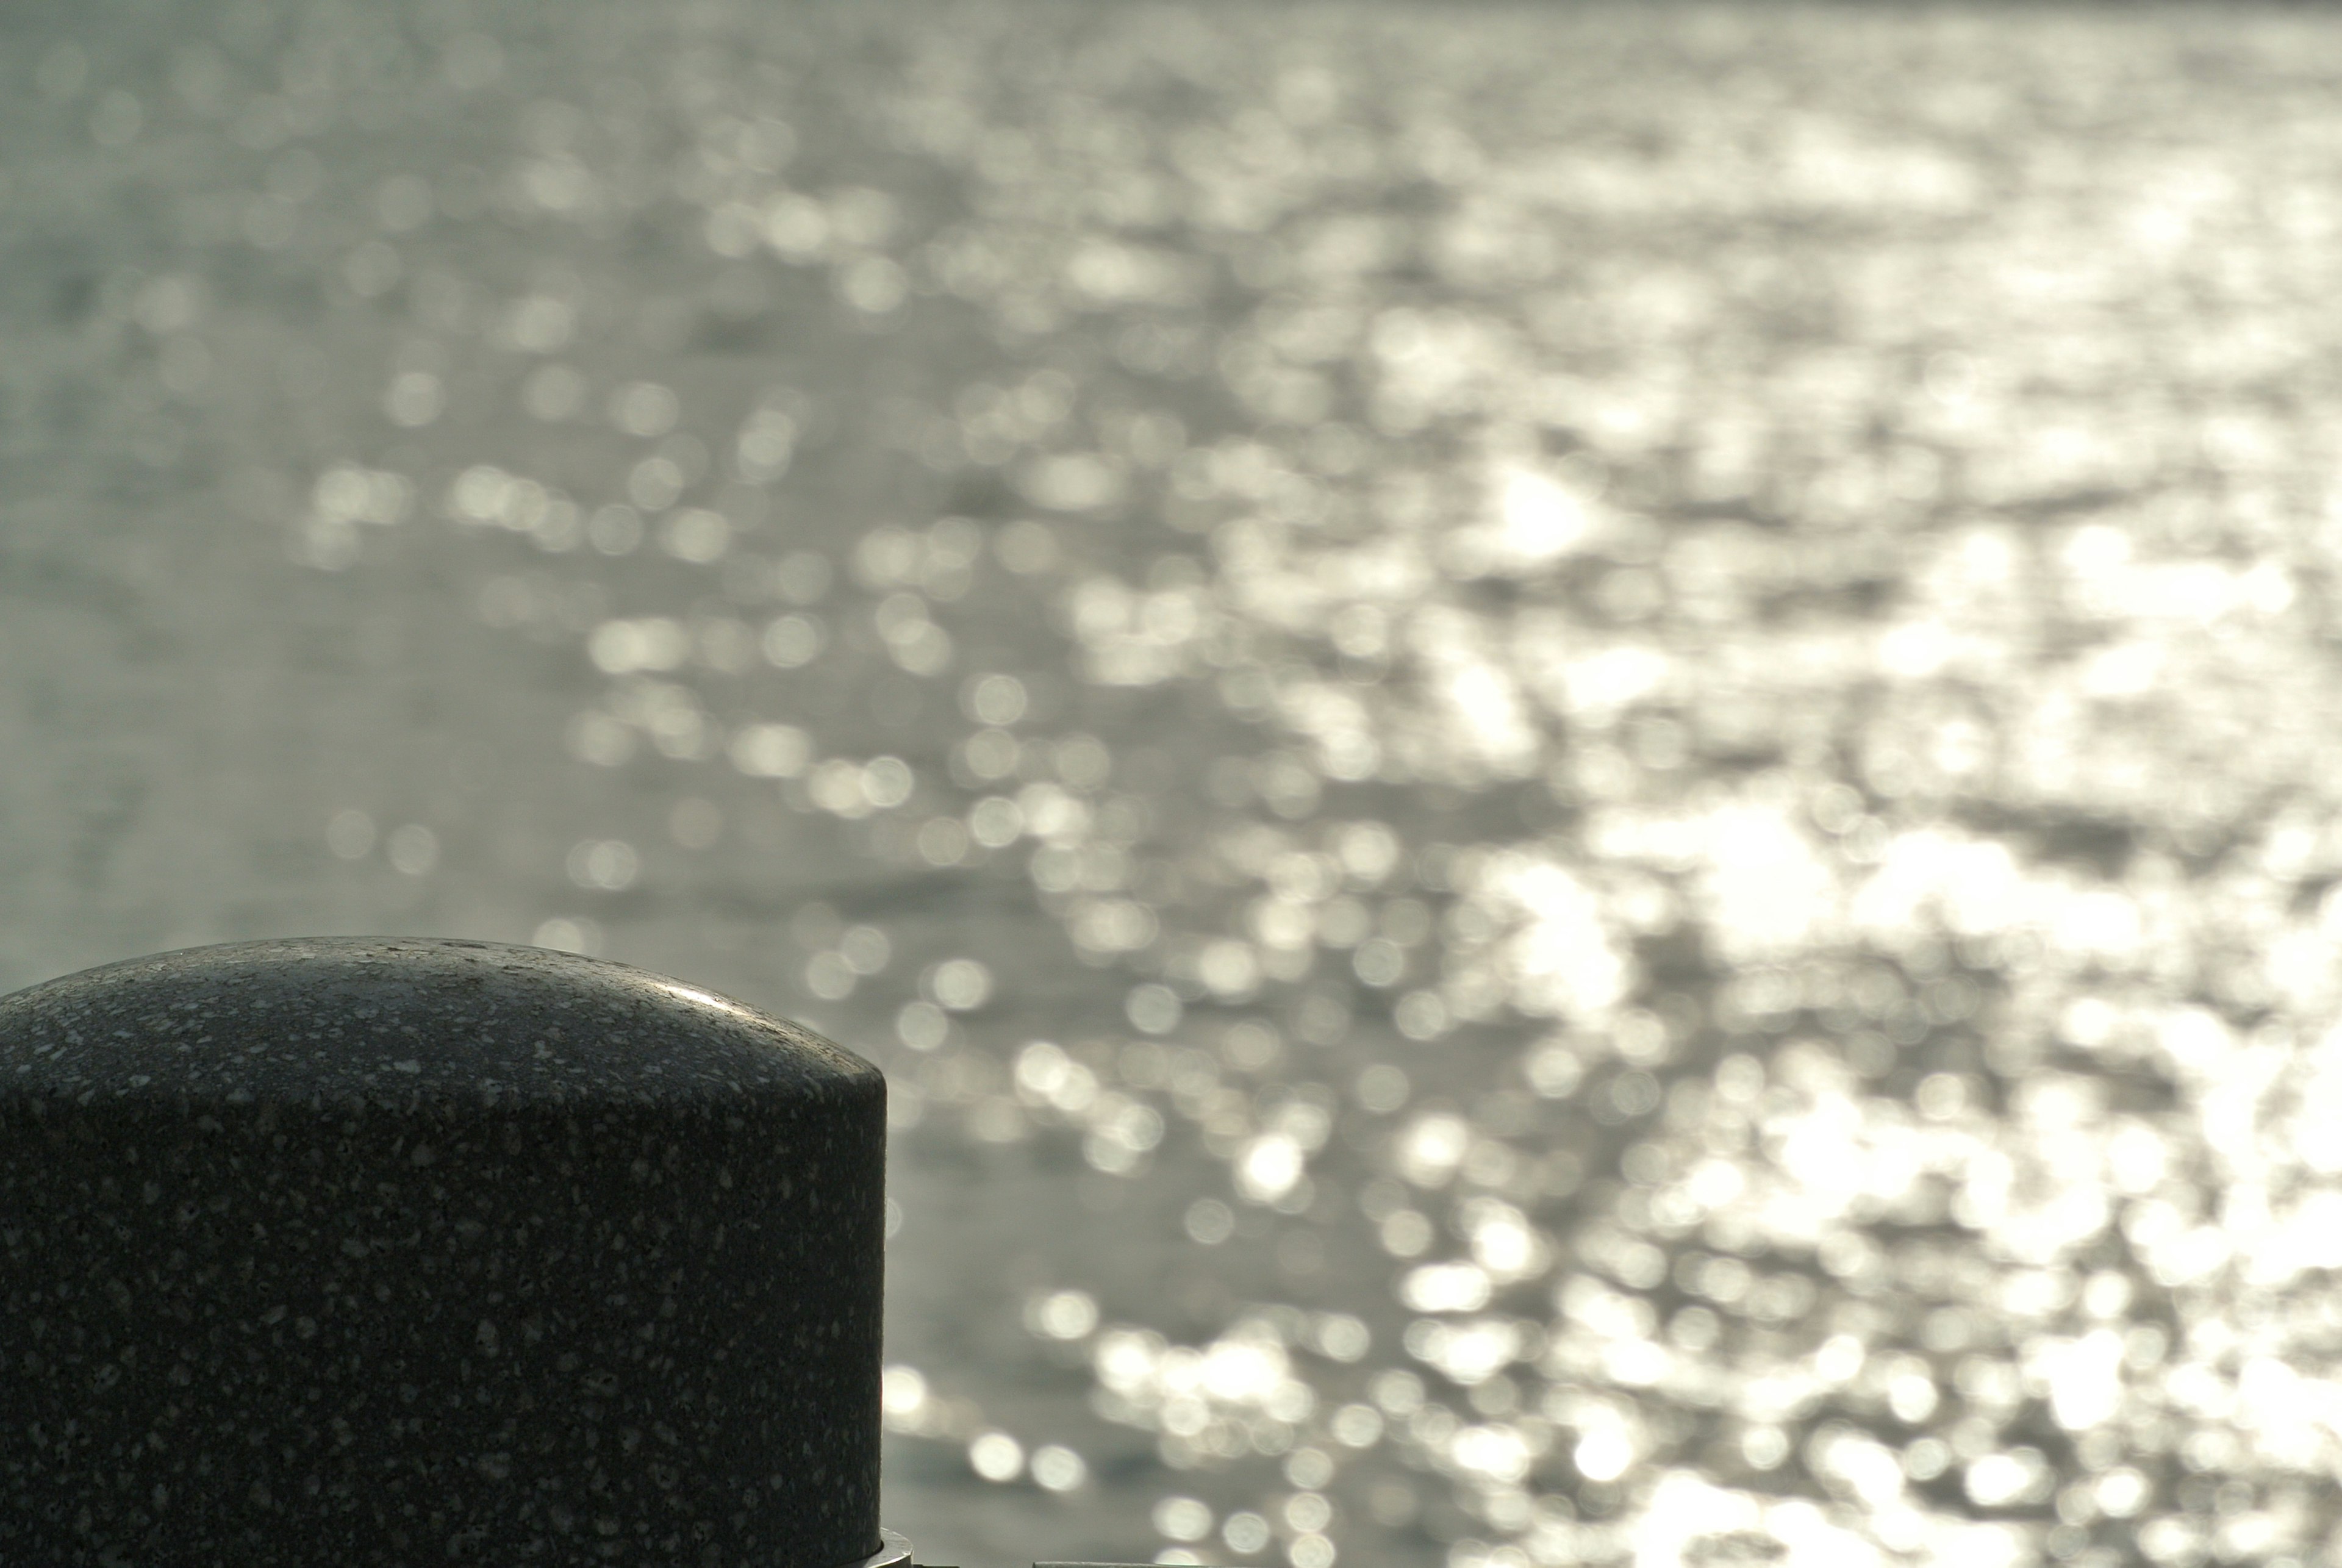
(383, 1251)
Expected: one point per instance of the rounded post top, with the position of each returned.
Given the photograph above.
(353, 1018)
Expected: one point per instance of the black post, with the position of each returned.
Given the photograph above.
(339, 1253)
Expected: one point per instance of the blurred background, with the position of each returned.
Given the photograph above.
(1575, 762)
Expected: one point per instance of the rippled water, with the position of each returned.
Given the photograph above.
(1576, 764)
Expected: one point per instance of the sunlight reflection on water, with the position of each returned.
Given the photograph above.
(1571, 763)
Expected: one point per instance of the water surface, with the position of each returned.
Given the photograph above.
(1575, 762)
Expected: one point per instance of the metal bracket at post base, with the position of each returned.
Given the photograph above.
(898, 1551)
(893, 1551)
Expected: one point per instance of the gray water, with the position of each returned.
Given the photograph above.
(1575, 762)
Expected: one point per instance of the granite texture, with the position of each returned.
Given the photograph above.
(335, 1253)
